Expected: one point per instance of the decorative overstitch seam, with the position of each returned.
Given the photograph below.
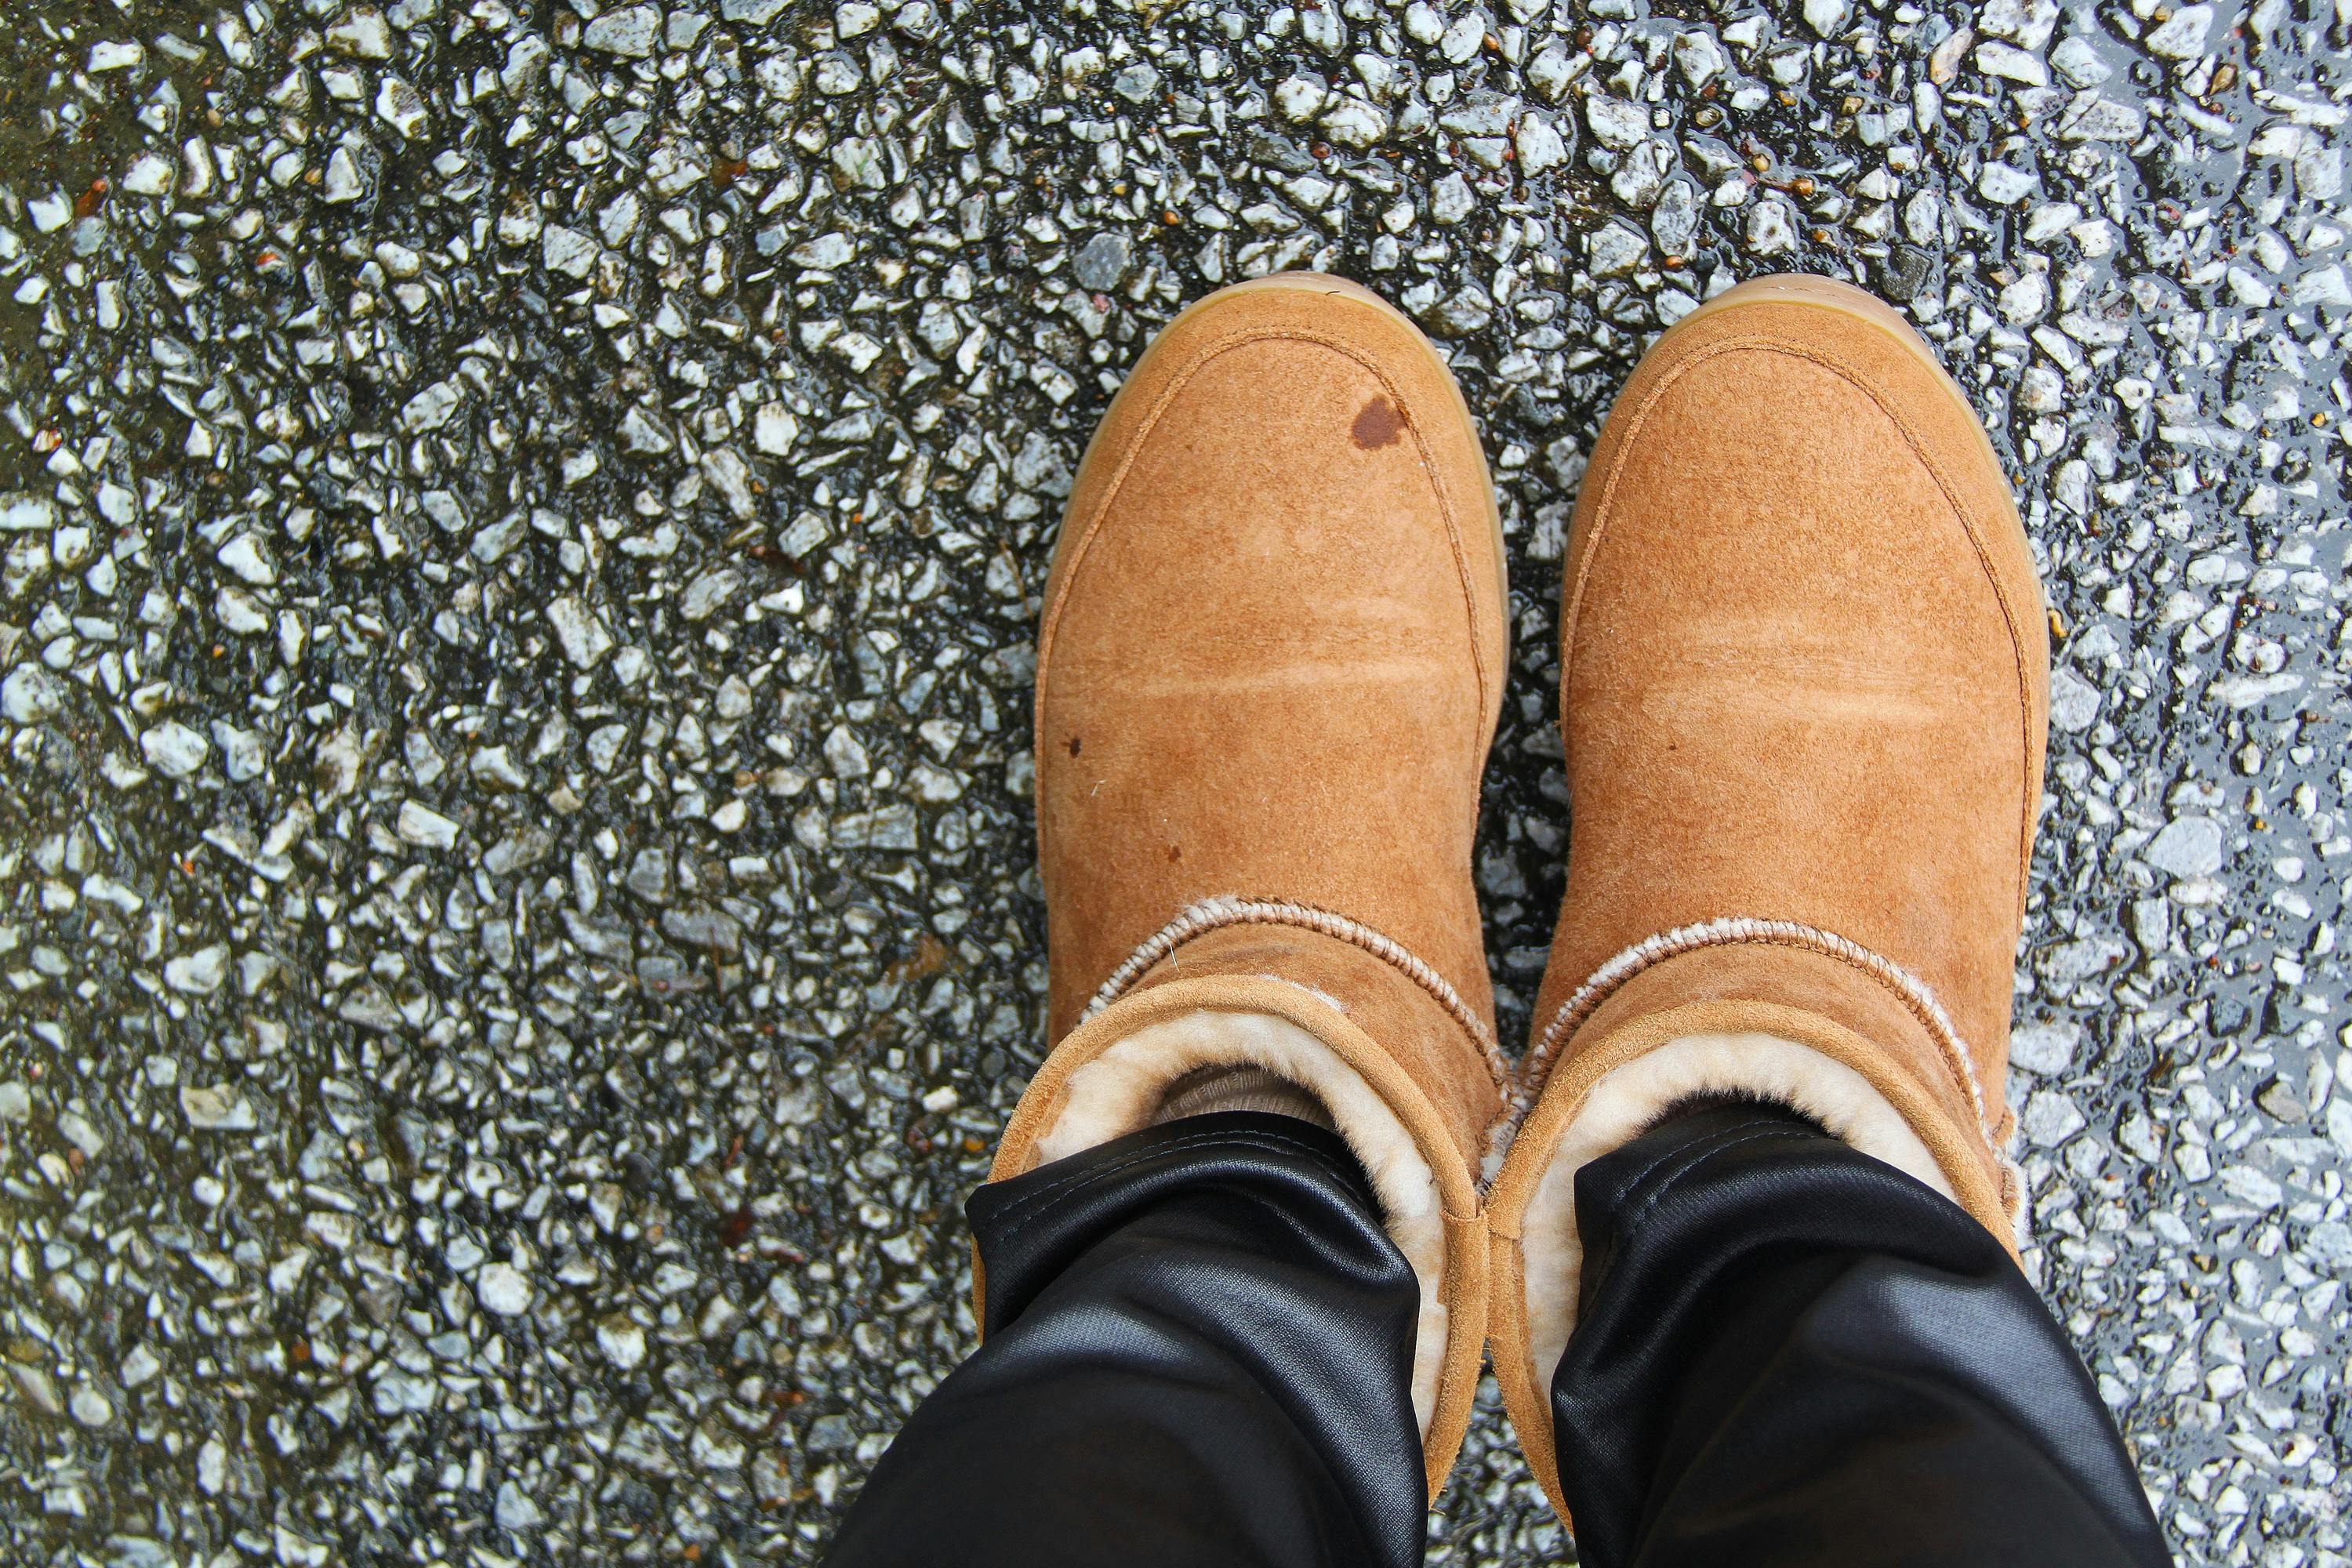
(1049, 627)
(1227, 909)
(1586, 556)
(1747, 929)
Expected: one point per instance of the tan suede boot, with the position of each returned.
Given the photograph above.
(1804, 681)
(1269, 668)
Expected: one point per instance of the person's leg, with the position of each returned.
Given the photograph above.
(1804, 688)
(1269, 667)
(1788, 1352)
(1199, 1350)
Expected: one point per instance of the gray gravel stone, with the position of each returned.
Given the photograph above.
(2187, 847)
(222, 1109)
(503, 1288)
(628, 31)
(520, 534)
(1101, 262)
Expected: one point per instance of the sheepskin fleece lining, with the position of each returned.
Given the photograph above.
(1117, 1093)
(1623, 1104)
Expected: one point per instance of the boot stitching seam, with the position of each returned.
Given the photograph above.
(1226, 909)
(1747, 931)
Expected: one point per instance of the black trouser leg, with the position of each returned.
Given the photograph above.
(1199, 1350)
(1788, 1352)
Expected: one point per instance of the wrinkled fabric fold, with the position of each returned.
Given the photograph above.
(1788, 1353)
(1199, 1343)
(1198, 1350)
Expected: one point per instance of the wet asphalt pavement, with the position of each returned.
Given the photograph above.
(521, 530)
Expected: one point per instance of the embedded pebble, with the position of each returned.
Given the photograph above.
(629, 31)
(2187, 847)
(344, 181)
(200, 973)
(503, 1288)
(1101, 262)
(222, 1109)
(514, 1510)
(176, 750)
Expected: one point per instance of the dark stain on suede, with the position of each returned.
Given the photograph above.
(1378, 426)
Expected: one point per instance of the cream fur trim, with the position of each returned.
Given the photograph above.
(1118, 1092)
(1745, 930)
(1626, 1102)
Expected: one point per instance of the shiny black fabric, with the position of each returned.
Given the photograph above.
(1199, 1352)
(1789, 1354)
(1199, 1345)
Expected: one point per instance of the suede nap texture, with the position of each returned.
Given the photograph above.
(1805, 679)
(1273, 643)
(1269, 668)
